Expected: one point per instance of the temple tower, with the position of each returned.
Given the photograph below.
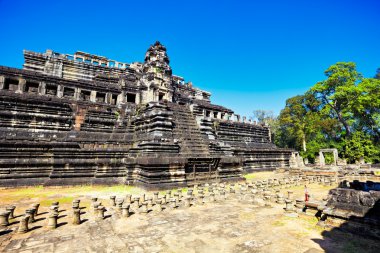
(157, 74)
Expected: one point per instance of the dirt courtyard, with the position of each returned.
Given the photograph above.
(231, 225)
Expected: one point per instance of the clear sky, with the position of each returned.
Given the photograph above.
(249, 54)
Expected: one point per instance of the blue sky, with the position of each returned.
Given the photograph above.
(249, 54)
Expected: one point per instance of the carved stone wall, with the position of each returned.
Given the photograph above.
(82, 119)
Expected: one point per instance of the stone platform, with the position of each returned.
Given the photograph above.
(238, 223)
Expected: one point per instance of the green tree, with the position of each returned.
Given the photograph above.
(293, 121)
(337, 91)
(366, 107)
(360, 145)
(298, 120)
(340, 112)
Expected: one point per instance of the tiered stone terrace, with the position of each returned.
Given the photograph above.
(87, 119)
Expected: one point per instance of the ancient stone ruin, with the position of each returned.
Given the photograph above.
(82, 118)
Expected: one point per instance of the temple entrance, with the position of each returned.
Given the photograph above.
(161, 96)
(200, 170)
(322, 160)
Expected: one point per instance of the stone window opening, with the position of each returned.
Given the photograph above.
(113, 99)
(100, 97)
(161, 96)
(68, 92)
(85, 95)
(215, 115)
(51, 90)
(131, 98)
(31, 87)
(10, 84)
(95, 63)
(208, 113)
(79, 59)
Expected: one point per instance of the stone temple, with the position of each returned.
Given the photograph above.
(86, 119)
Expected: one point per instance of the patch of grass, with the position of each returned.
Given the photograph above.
(260, 175)
(377, 173)
(311, 223)
(250, 176)
(46, 195)
(62, 200)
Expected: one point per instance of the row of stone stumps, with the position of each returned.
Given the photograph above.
(258, 193)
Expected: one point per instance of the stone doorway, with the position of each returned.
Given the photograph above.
(161, 96)
(322, 161)
(201, 170)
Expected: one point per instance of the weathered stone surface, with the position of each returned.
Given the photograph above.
(87, 119)
(360, 202)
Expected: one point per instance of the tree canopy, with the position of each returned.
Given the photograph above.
(342, 111)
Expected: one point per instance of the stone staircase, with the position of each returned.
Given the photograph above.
(187, 132)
